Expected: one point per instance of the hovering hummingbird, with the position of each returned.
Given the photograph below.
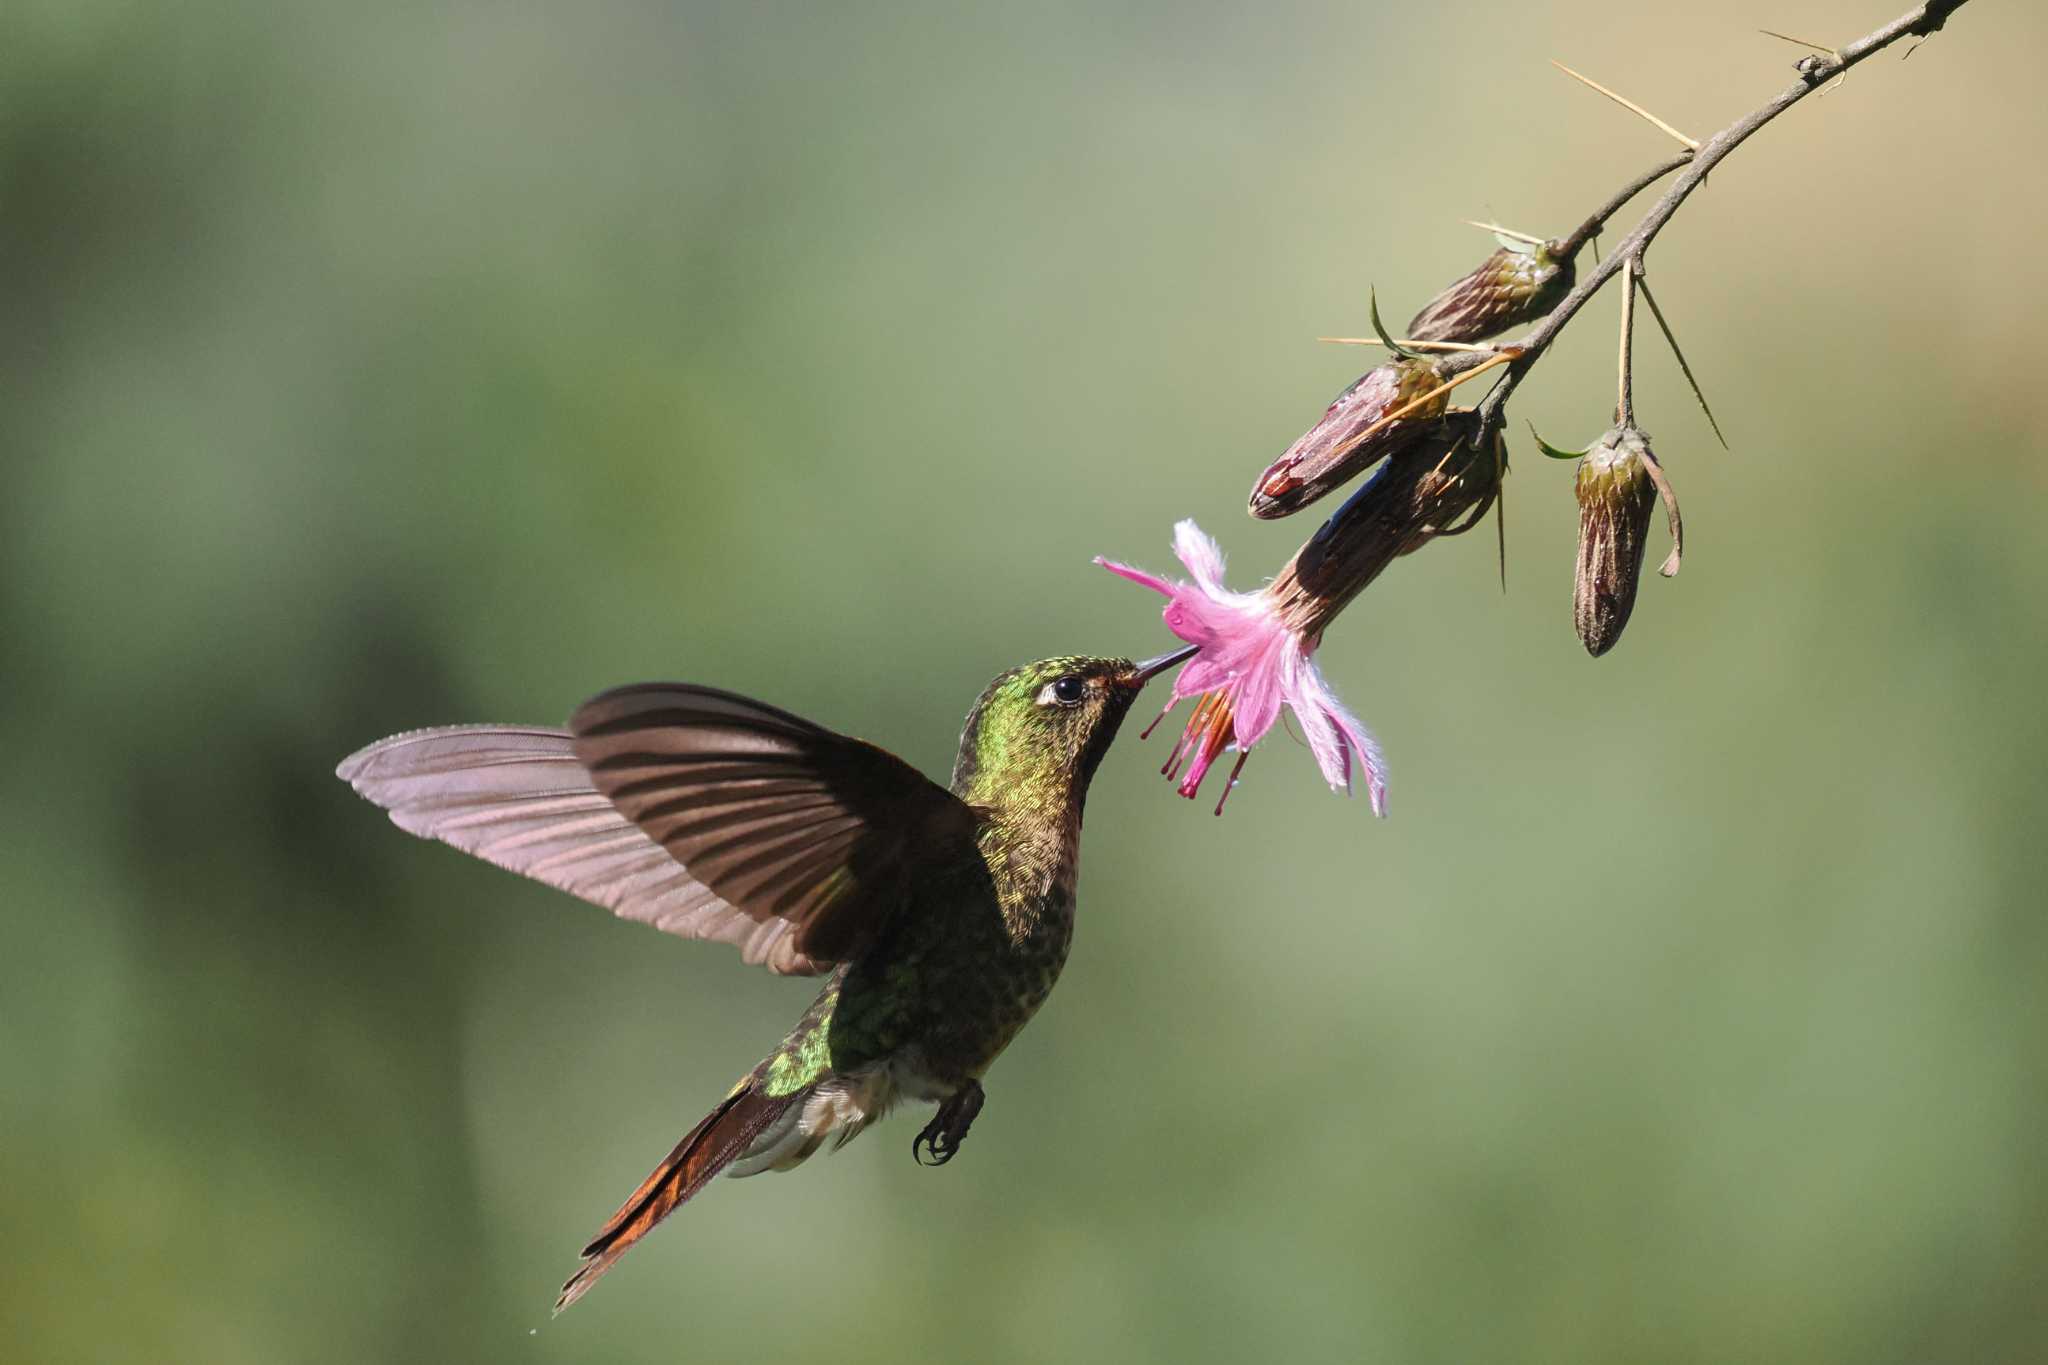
(939, 918)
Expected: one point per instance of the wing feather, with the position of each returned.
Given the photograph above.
(517, 797)
(800, 825)
(700, 812)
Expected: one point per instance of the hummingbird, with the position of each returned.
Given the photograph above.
(939, 917)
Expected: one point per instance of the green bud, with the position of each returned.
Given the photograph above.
(1516, 284)
(1619, 481)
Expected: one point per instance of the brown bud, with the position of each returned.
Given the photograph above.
(1441, 485)
(1353, 435)
(1516, 284)
(1618, 484)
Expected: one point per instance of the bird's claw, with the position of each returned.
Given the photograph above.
(941, 1138)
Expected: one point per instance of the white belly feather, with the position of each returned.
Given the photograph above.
(838, 1109)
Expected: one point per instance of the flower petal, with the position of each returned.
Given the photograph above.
(1259, 693)
(1199, 552)
(1333, 733)
(1152, 581)
(1370, 760)
(1237, 624)
(1202, 674)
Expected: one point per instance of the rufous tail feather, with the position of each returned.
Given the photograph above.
(723, 1136)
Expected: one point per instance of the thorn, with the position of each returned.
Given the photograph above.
(1500, 503)
(1801, 42)
(1439, 468)
(1497, 229)
(1413, 345)
(1672, 340)
(1833, 54)
(1627, 104)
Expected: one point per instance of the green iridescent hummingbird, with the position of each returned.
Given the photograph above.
(939, 918)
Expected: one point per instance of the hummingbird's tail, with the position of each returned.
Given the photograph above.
(726, 1133)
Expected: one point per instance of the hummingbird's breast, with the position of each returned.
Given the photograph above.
(963, 969)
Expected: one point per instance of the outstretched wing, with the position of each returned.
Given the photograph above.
(702, 813)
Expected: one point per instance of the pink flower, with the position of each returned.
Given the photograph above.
(1249, 663)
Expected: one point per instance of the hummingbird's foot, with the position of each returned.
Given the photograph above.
(948, 1129)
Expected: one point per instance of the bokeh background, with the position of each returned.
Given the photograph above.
(365, 367)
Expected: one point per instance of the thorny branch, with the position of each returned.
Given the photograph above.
(1814, 71)
(1311, 587)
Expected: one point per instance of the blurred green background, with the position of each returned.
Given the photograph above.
(367, 367)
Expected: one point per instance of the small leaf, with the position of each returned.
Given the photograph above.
(1669, 568)
(1552, 451)
(1380, 330)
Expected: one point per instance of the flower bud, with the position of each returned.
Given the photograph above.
(1618, 484)
(1441, 485)
(1457, 479)
(1352, 436)
(1520, 282)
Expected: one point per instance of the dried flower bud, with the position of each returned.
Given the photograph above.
(1352, 436)
(1514, 285)
(1439, 486)
(1619, 481)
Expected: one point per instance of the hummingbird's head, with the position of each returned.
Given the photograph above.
(1040, 730)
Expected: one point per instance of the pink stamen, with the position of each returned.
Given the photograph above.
(1189, 745)
(1209, 732)
(1231, 785)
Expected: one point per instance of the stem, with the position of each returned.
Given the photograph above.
(1568, 247)
(1625, 399)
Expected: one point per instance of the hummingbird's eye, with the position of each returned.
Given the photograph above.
(1066, 691)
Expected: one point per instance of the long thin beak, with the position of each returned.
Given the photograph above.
(1152, 668)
